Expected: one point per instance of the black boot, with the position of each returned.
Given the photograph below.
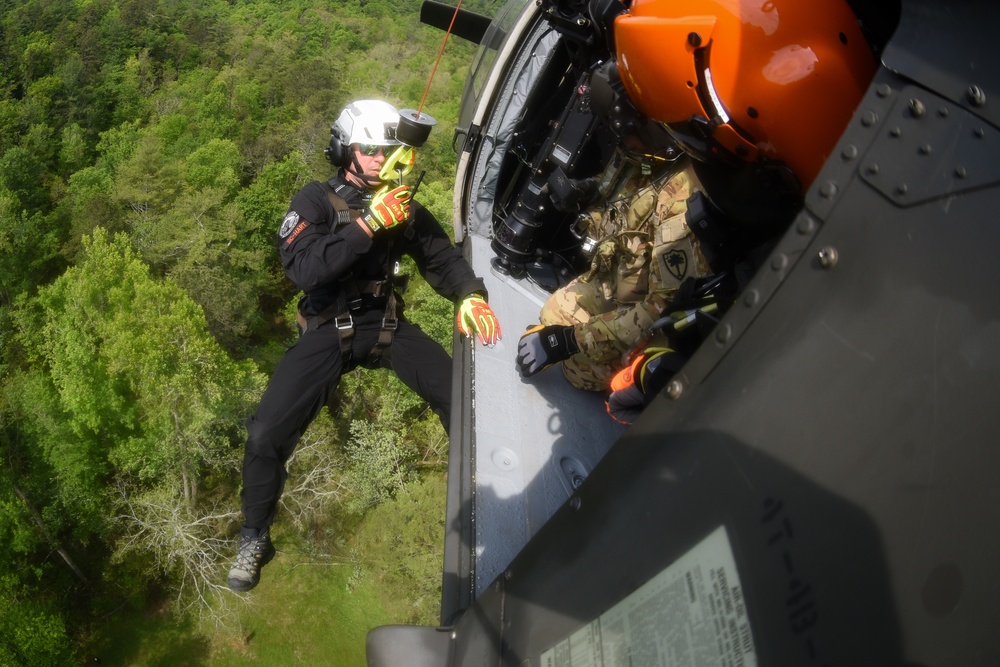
(255, 551)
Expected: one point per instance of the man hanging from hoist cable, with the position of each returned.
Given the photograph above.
(341, 242)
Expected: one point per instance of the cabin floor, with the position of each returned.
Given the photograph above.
(535, 439)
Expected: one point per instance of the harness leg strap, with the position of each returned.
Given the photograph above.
(389, 326)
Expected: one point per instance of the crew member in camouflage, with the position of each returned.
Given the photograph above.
(645, 250)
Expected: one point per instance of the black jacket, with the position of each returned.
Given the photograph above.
(318, 254)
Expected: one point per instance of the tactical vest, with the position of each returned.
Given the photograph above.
(644, 243)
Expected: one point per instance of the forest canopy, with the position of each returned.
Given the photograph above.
(148, 151)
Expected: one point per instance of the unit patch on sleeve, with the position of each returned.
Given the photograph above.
(291, 227)
(288, 224)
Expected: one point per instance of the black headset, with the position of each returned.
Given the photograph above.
(337, 153)
(341, 156)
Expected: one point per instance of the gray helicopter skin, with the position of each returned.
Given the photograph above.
(818, 486)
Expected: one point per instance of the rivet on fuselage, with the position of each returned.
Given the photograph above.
(976, 95)
(828, 257)
(674, 389)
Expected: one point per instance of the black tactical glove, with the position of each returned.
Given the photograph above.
(542, 346)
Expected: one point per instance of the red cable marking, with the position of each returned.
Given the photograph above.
(440, 53)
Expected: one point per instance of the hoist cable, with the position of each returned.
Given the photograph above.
(447, 34)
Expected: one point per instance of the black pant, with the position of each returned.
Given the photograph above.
(300, 387)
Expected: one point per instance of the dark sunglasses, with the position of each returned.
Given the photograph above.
(371, 151)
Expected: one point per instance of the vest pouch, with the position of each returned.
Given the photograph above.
(632, 276)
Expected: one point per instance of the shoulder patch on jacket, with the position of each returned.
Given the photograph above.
(288, 224)
(291, 227)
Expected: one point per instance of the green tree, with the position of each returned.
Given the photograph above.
(132, 379)
(32, 629)
(195, 241)
(10, 123)
(380, 463)
(214, 165)
(36, 57)
(29, 248)
(126, 88)
(74, 153)
(118, 144)
(264, 202)
(22, 175)
(32, 634)
(147, 183)
(399, 547)
(42, 99)
(87, 205)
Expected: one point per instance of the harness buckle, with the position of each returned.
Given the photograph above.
(390, 323)
(344, 322)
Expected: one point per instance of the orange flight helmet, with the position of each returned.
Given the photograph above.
(749, 79)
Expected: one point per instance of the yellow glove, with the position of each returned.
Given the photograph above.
(388, 208)
(475, 315)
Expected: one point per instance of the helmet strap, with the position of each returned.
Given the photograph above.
(354, 167)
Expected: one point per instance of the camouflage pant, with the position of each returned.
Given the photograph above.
(604, 342)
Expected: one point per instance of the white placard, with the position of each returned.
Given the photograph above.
(691, 614)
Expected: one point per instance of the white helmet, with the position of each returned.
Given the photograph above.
(365, 122)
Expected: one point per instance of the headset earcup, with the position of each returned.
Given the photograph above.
(336, 153)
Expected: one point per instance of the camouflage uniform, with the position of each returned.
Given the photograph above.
(645, 251)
